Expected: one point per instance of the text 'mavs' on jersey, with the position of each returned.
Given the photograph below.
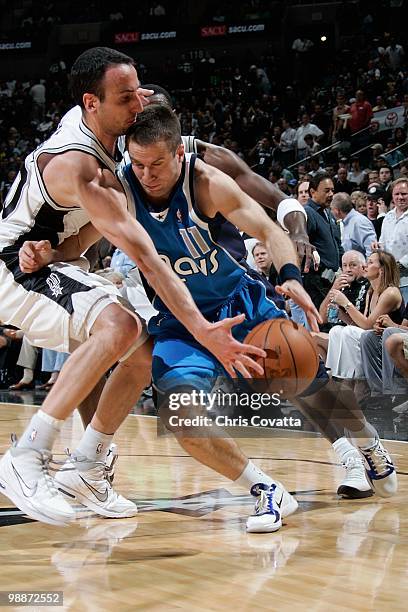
(184, 240)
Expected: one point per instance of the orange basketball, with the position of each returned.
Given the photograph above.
(292, 361)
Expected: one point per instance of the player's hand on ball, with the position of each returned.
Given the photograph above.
(294, 290)
(34, 255)
(233, 355)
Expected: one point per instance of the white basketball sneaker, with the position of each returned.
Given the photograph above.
(354, 485)
(273, 504)
(87, 482)
(26, 481)
(380, 469)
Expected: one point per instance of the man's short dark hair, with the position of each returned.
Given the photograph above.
(317, 179)
(89, 70)
(157, 123)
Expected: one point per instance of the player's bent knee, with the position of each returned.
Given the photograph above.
(120, 327)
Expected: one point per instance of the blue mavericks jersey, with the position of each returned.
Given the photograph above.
(184, 240)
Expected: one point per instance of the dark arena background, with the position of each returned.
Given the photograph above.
(302, 94)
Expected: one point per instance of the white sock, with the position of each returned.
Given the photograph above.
(344, 449)
(41, 432)
(252, 475)
(366, 437)
(27, 376)
(93, 445)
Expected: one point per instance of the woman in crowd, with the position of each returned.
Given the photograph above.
(383, 297)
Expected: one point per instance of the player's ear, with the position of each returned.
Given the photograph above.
(90, 102)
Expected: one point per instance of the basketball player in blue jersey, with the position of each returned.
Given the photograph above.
(177, 198)
(66, 194)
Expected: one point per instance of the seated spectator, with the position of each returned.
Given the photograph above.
(52, 362)
(342, 184)
(383, 297)
(27, 360)
(356, 174)
(120, 262)
(385, 176)
(353, 283)
(394, 231)
(393, 157)
(359, 199)
(378, 347)
(358, 232)
(10, 345)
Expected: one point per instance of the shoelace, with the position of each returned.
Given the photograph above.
(352, 462)
(46, 459)
(378, 459)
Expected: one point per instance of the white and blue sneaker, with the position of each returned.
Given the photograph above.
(273, 504)
(380, 469)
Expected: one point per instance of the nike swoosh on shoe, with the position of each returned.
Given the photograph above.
(25, 488)
(102, 497)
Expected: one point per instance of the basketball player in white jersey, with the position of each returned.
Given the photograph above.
(65, 184)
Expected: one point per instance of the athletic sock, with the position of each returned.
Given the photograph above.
(365, 438)
(252, 475)
(41, 432)
(344, 449)
(93, 445)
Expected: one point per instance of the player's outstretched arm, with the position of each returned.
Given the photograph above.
(216, 192)
(264, 192)
(101, 195)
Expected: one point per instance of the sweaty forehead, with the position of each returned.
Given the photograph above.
(121, 78)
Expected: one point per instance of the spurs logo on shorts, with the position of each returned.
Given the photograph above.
(54, 284)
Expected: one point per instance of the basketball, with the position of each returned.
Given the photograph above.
(292, 361)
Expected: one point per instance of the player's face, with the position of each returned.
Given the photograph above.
(121, 103)
(156, 167)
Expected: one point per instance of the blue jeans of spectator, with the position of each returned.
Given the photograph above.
(52, 361)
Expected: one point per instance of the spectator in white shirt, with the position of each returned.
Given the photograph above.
(305, 128)
(287, 143)
(394, 232)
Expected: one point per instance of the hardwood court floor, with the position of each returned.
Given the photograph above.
(188, 550)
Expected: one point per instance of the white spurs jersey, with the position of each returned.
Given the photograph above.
(29, 212)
